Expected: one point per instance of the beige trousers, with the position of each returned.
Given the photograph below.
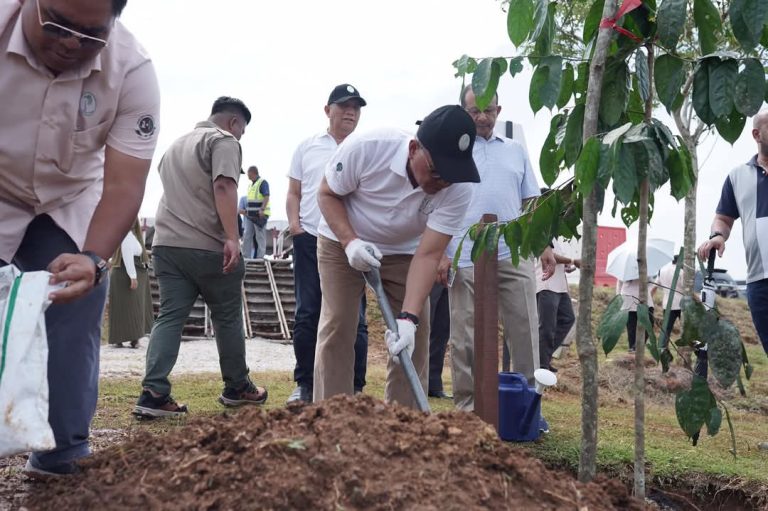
(342, 287)
(519, 316)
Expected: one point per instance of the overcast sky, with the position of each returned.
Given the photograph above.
(283, 59)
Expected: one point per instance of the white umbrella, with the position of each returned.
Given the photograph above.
(622, 260)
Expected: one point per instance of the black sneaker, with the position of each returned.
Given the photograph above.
(68, 468)
(149, 406)
(250, 394)
(302, 393)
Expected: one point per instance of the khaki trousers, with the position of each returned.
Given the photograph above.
(342, 287)
(519, 316)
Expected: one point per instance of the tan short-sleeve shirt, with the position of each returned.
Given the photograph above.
(187, 216)
(53, 129)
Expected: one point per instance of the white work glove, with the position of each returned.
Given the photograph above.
(362, 256)
(404, 338)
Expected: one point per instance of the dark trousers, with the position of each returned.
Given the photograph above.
(555, 321)
(632, 327)
(757, 298)
(439, 333)
(674, 315)
(308, 300)
(74, 337)
(183, 274)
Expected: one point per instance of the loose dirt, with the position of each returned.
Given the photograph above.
(344, 453)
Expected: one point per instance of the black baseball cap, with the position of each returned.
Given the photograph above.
(448, 134)
(343, 92)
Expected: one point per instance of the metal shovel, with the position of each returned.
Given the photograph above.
(373, 279)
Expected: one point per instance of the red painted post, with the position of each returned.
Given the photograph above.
(486, 368)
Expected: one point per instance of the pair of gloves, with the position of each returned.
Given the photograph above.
(364, 256)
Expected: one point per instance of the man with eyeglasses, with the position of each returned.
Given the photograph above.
(77, 133)
(304, 177)
(391, 201)
(507, 183)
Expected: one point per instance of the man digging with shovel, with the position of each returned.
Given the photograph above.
(389, 201)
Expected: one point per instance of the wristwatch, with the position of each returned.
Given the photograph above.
(101, 266)
(413, 318)
(716, 234)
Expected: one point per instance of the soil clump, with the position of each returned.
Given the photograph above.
(343, 453)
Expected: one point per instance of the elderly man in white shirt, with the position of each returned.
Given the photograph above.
(390, 201)
(507, 182)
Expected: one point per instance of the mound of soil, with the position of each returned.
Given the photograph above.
(344, 453)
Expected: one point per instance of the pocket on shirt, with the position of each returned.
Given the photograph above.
(86, 141)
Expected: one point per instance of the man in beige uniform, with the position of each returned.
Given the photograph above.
(77, 134)
(196, 251)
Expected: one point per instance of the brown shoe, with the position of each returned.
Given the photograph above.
(250, 394)
(152, 407)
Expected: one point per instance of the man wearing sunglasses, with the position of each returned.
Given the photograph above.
(77, 134)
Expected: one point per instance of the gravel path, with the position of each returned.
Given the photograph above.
(196, 356)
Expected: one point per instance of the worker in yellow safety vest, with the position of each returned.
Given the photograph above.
(256, 214)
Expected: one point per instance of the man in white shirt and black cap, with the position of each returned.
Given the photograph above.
(391, 201)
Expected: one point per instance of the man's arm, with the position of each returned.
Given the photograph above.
(293, 206)
(423, 269)
(265, 193)
(335, 213)
(721, 224)
(225, 197)
(124, 180)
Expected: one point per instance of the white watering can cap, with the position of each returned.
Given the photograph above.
(544, 378)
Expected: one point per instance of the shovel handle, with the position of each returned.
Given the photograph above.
(373, 279)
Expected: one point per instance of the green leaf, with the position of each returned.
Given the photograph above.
(669, 76)
(748, 17)
(615, 93)
(519, 20)
(513, 235)
(485, 81)
(722, 78)
(479, 244)
(731, 126)
(696, 320)
(465, 65)
(587, 165)
(515, 65)
(665, 359)
(644, 321)
(492, 239)
(643, 74)
(457, 255)
(592, 21)
(574, 134)
(543, 46)
(566, 86)
(541, 9)
(750, 88)
(723, 351)
(625, 175)
(693, 407)
(701, 93)
(670, 21)
(582, 79)
(714, 421)
(549, 163)
(635, 106)
(707, 19)
(679, 180)
(612, 324)
(545, 83)
(648, 162)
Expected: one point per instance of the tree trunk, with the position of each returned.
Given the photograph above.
(584, 340)
(689, 233)
(642, 264)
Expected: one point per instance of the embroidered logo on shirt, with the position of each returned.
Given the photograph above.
(426, 207)
(87, 104)
(339, 167)
(145, 126)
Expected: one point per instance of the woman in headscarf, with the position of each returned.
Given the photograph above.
(130, 301)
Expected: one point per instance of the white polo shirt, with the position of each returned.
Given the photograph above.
(307, 166)
(53, 129)
(368, 170)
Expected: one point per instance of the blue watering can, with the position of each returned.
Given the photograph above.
(520, 405)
